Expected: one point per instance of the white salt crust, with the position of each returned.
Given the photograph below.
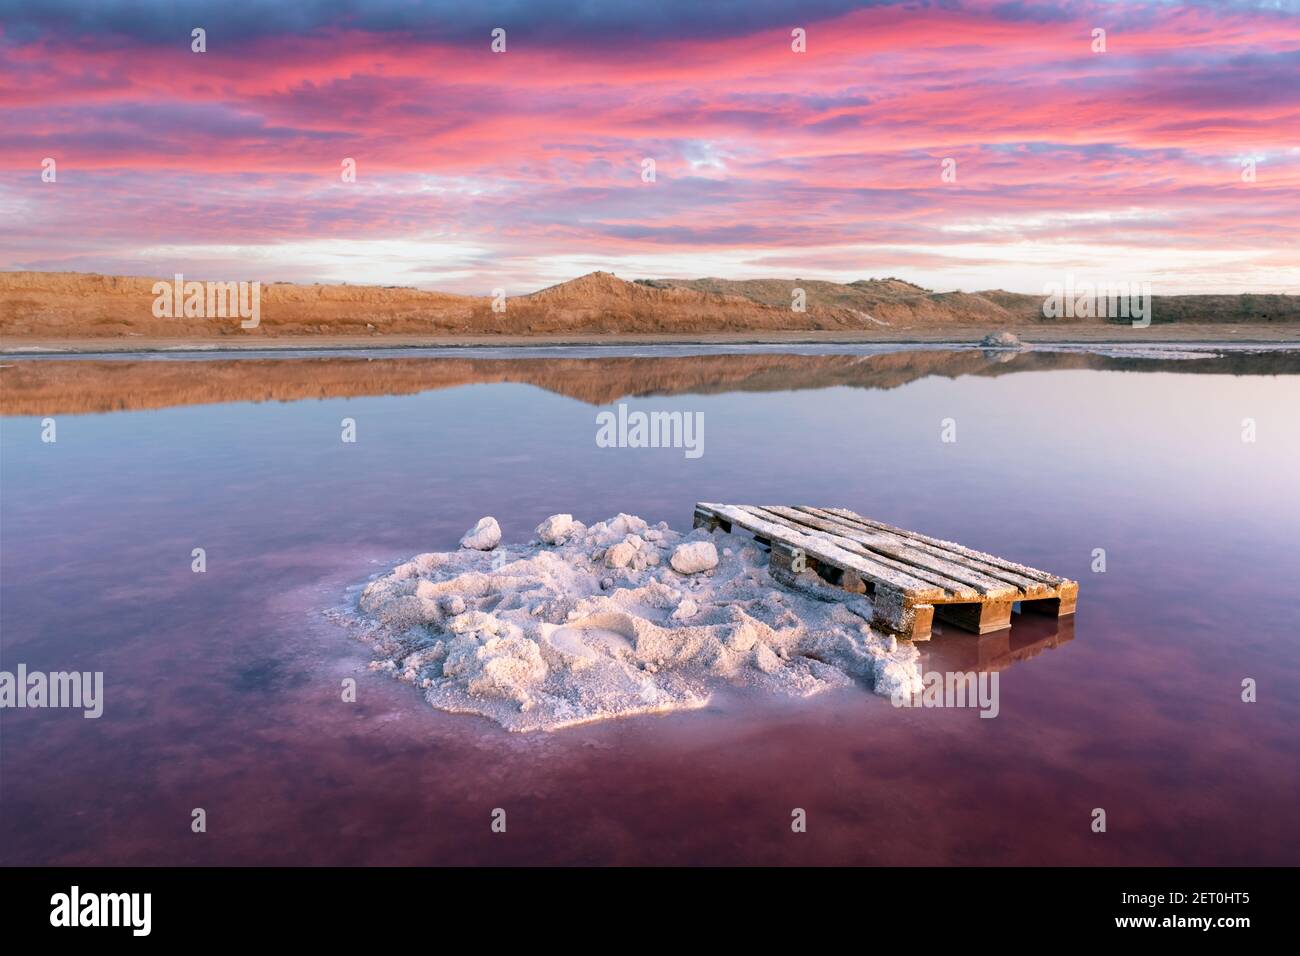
(586, 623)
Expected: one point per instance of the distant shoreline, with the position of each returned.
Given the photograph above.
(1181, 334)
(91, 313)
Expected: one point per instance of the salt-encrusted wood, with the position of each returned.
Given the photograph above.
(911, 577)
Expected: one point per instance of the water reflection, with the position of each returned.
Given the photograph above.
(47, 386)
(952, 649)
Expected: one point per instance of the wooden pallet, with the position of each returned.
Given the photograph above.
(909, 576)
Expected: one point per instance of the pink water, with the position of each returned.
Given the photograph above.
(223, 688)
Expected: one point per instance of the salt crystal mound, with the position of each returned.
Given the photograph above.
(599, 625)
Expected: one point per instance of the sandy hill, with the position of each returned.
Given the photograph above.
(882, 302)
(38, 306)
(600, 301)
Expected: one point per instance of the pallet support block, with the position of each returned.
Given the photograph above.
(1054, 607)
(982, 618)
(892, 613)
(778, 564)
(711, 522)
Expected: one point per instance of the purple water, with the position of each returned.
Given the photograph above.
(222, 689)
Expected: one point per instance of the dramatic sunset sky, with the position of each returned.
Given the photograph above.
(477, 169)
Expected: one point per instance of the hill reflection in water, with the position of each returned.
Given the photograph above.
(49, 386)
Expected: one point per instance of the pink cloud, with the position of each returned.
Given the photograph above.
(757, 149)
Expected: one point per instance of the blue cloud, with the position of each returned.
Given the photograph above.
(552, 21)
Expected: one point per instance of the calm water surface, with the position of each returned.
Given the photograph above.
(223, 688)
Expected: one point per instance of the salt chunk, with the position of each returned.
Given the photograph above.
(686, 609)
(694, 556)
(484, 536)
(620, 556)
(626, 524)
(765, 659)
(555, 529)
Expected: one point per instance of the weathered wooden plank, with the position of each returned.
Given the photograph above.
(774, 514)
(822, 548)
(950, 551)
(991, 559)
(825, 550)
(951, 546)
(964, 583)
(954, 589)
(989, 579)
(1029, 587)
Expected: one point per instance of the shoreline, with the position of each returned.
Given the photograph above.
(1189, 334)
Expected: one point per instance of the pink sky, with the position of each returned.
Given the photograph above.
(478, 169)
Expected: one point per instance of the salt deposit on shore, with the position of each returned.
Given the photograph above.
(614, 619)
